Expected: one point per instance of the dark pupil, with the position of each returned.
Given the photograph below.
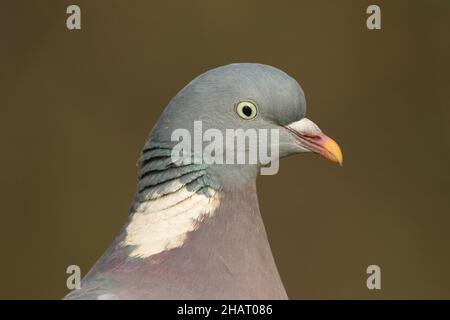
(247, 111)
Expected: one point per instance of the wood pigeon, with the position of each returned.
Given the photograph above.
(195, 230)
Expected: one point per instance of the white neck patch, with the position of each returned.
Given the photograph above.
(163, 224)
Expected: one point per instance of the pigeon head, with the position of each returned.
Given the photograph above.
(241, 117)
(194, 229)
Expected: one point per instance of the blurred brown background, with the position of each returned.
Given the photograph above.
(76, 107)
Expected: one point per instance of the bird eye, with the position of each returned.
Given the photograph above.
(246, 110)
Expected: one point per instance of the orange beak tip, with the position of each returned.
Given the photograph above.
(333, 151)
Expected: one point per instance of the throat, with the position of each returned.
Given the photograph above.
(191, 233)
(180, 209)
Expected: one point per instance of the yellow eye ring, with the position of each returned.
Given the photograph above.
(246, 110)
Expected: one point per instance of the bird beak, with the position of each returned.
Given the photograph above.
(310, 137)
